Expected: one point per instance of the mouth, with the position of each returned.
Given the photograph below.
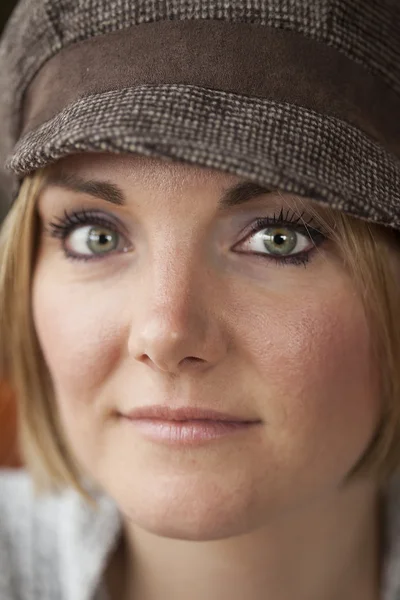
(183, 426)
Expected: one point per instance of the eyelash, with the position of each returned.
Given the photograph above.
(63, 226)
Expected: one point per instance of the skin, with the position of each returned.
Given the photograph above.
(288, 345)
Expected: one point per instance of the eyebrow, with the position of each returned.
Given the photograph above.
(98, 189)
(110, 192)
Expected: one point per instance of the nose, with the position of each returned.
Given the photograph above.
(176, 325)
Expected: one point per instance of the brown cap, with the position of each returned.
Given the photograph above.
(299, 95)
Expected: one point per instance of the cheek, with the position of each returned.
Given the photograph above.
(318, 384)
(320, 348)
(80, 329)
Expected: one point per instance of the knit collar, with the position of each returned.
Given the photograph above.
(90, 537)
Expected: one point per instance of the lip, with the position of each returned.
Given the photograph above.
(183, 413)
(185, 426)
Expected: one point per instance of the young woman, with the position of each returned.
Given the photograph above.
(199, 292)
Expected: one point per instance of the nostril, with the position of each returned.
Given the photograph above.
(191, 359)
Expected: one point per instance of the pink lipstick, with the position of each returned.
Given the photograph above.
(186, 425)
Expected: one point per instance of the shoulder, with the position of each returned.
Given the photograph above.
(51, 546)
(16, 491)
(20, 506)
(27, 523)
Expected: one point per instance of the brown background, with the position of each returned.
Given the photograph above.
(6, 7)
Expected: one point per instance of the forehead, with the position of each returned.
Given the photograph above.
(121, 178)
(148, 169)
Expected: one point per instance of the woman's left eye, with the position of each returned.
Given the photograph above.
(282, 242)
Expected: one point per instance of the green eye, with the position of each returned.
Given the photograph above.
(93, 240)
(280, 240)
(102, 240)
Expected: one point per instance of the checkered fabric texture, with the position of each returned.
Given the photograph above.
(276, 144)
(196, 125)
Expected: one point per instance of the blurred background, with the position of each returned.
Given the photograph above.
(6, 7)
(8, 415)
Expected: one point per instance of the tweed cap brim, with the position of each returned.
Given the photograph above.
(279, 145)
(289, 104)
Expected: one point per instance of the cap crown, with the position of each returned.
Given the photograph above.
(366, 31)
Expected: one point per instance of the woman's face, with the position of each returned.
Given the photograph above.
(153, 287)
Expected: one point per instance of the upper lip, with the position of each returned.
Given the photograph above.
(183, 413)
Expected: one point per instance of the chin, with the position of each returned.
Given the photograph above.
(202, 527)
(185, 510)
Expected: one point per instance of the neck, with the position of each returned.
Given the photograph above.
(329, 550)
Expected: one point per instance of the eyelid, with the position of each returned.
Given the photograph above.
(83, 217)
(291, 221)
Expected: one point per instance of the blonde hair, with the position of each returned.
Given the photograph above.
(43, 447)
(368, 252)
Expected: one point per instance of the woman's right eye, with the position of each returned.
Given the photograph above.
(92, 240)
(87, 237)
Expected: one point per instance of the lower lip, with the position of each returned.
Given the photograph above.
(187, 433)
